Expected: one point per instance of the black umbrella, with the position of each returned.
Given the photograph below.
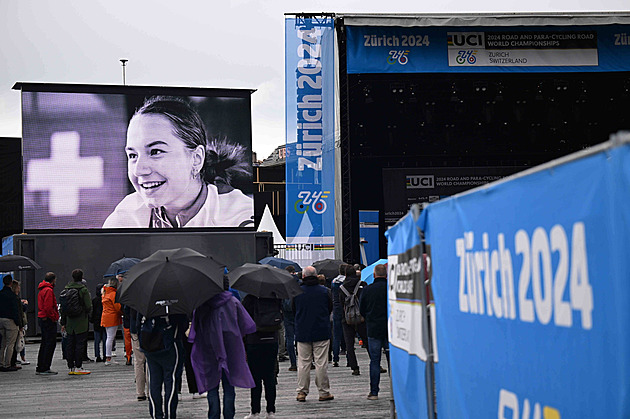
(121, 266)
(328, 267)
(279, 263)
(170, 282)
(264, 281)
(10, 263)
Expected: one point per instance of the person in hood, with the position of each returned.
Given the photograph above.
(181, 178)
(47, 315)
(312, 332)
(218, 352)
(77, 327)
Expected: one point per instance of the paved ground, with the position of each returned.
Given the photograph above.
(109, 392)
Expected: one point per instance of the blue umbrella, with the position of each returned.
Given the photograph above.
(120, 266)
(367, 274)
(279, 263)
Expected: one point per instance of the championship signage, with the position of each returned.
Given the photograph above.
(390, 49)
(310, 166)
(408, 335)
(530, 280)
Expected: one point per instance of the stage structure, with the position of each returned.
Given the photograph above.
(427, 106)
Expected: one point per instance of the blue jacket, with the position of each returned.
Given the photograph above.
(312, 312)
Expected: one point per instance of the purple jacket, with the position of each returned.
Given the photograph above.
(216, 333)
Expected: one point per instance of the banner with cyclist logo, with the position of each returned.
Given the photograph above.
(390, 49)
(310, 168)
(530, 278)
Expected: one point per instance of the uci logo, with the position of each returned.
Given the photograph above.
(420, 182)
(311, 199)
(399, 57)
(465, 39)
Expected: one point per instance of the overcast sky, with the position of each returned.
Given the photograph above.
(201, 43)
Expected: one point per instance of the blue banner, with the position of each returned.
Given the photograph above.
(475, 49)
(531, 279)
(405, 319)
(310, 136)
(368, 234)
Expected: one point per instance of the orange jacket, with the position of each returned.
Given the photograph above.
(112, 311)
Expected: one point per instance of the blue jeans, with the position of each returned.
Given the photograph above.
(337, 341)
(214, 402)
(165, 368)
(99, 339)
(374, 347)
(289, 335)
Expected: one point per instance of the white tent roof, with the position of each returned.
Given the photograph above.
(268, 224)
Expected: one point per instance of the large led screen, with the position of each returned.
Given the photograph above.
(137, 158)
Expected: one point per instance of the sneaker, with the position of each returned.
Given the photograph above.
(113, 354)
(383, 370)
(326, 398)
(111, 363)
(81, 371)
(335, 364)
(252, 416)
(25, 362)
(49, 372)
(99, 359)
(199, 396)
(142, 398)
(71, 372)
(293, 368)
(301, 397)
(8, 369)
(271, 415)
(372, 397)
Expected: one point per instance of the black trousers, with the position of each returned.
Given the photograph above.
(47, 345)
(75, 349)
(261, 359)
(190, 373)
(349, 333)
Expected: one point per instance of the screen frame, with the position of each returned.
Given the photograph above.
(183, 91)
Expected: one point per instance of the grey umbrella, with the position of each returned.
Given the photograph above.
(170, 282)
(264, 281)
(10, 263)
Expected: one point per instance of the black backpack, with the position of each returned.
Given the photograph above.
(351, 311)
(268, 314)
(156, 334)
(71, 304)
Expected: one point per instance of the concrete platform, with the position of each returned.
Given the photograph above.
(109, 392)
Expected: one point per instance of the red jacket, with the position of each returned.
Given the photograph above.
(46, 302)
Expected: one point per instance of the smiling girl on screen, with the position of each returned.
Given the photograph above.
(181, 178)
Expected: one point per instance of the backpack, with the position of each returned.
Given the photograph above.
(71, 304)
(351, 312)
(268, 315)
(156, 334)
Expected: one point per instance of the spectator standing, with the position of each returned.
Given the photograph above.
(47, 315)
(166, 364)
(126, 313)
(289, 323)
(10, 324)
(218, 353)
(139, 359)
(261, 348)
(337, 315)
(19, 343)
(100, 337)
(312, 333)
(111, 317)
(351, 330)
(373, 307)
(77, 326)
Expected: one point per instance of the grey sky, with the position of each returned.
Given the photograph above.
(236, 43)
